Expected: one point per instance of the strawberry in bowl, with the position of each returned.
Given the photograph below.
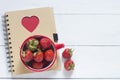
(38, 53)
(38, 56)
(27, 55)
(49, 55)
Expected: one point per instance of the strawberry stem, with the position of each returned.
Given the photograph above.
(35, 53)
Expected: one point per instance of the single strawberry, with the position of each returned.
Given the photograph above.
(45, 43)
(49, 55)
(37, 65)
(27, 56)
(67, 53)
(38, 56)
(69, 65)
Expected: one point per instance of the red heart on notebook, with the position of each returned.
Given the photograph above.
(30, 23)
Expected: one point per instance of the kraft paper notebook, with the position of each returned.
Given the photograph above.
(18, 31)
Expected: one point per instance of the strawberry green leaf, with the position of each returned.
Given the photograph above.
(35, 42)
(30, 42)
(32, 48)
(71, 52)
(23, 53)
(72, 66)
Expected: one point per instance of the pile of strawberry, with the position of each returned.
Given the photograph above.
(37, 52)
(69, 63)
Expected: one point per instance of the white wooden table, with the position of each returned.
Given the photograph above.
(91, 27)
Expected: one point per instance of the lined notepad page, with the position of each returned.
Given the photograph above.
(91, 27)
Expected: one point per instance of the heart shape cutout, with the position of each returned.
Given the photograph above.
(30, 23)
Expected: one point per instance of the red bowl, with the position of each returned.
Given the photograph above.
(55, 47)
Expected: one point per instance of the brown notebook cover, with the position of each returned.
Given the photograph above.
(17, 33)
